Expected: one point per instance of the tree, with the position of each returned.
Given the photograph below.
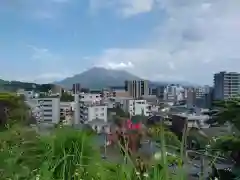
(171, 140)
(65, 97)
(229, 112)
(12, 109)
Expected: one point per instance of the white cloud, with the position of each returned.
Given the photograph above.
(196, 39)
(126, 8)
(120, 65)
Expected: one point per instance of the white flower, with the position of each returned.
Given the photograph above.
(145, 175)
(37, 177)
(137, 173)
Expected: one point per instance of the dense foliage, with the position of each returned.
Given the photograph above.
(229, 114)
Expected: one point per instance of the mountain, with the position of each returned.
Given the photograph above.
(97, 78)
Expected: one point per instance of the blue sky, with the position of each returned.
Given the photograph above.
(47, 40)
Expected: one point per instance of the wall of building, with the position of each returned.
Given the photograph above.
(97, 112)
(50, 109)
(137, 107)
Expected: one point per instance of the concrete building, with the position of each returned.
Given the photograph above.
(160, 92)
(89, 97)
(92, 111)
(191, 97)
(137, 107)
(180, 120)
(66, 112)
(92, 108)
(226, 85)
(49, 110)
(119, 92)
(174, 93)
(137, 88)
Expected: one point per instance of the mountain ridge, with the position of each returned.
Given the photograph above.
(99, 77)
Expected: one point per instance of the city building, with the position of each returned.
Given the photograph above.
(191, 97)
(137, 107)
(76, 88)
(48, 110)
(137, 88)
(160, 92)
(92, 108)
(66, 112)
(174, 93)
(180, 120)
(226, 85)
(90, 111)
(119, 92)
(89, 97)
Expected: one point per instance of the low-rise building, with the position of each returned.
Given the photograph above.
(90, 112)
(92, 107)
(48, 110)
(193, 121)
(137, 107)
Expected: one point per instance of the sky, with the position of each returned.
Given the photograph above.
(161, 40)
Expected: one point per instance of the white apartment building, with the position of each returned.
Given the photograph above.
(174, 93)
(90, 97)
(92, 108)
(48, 110)
(137, 107)
(226, 85)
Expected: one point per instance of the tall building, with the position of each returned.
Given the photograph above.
(191, 97)
(160, 92)
(226, 85)
(137, 88)
(76, 88)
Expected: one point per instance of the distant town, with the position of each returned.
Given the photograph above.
(83, 105)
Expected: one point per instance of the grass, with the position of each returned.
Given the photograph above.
(69, 154)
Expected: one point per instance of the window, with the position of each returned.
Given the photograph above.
(47, 110)
(102, 109)
(102, 114)
(47, 105)
(47, 115)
